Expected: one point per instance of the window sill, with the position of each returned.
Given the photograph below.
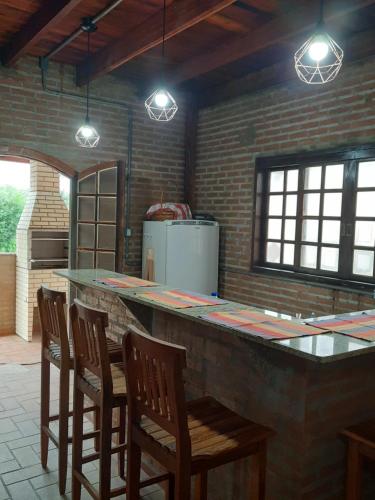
(321, 281)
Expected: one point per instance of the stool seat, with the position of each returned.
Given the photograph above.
(119, 385)
(215, 432)
(54, 352)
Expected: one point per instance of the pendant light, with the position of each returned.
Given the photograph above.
(161, 106)
(320, 58)
(87, 136)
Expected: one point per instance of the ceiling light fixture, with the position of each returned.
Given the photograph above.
(161, 105)
(320, 58)
(87, 136)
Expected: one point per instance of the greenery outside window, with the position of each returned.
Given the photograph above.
(315, 216)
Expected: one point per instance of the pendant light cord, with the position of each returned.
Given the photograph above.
(88, 76)
(321, 13)
(164, 23)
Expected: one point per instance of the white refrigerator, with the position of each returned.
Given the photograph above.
(182, 253)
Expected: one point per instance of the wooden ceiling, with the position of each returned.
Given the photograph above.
(209, 42)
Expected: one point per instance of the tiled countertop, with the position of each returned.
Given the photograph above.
(321, 348)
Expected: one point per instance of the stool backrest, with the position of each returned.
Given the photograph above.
(155, 387)
(89, 342)
(51, 305)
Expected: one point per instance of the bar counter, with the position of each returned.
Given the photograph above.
(307, 388)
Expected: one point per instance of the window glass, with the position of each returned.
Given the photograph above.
(311, 204)
(276, 205)
(292, 180)
(329, 259)
(313, 176)
(273, 252)
(277, 181)
(366, 174)
(274, 229)
(309, 255)
(334, 177)
(290, 229)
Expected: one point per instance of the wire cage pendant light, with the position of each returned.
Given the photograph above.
(87, 136)
(320, 58)
(161, 106)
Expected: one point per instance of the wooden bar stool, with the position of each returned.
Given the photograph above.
(102, 382)
(57, 349)
(361, 444)
(187, 438)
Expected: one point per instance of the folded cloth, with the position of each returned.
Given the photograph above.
(181, 210)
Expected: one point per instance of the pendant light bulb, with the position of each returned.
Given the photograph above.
(319, 48)
(161, 99)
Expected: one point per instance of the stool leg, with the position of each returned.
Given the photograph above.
(258, 474)
(44, 409)
(171, 487)
(354, 472)
(63, 426)
(182, 485)
(121, 438)
(77, 442)
(97, 428)
(133, 469)
(201, 486)
(105, 451)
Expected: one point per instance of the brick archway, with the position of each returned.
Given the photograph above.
(31, 154)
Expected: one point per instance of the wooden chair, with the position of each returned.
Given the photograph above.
(57, 349)
(361, 444)
(187, 438)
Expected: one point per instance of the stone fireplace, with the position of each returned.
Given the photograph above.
(42, 245)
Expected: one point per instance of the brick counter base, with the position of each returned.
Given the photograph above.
(307, 404)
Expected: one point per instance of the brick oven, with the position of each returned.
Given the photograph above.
(42, 244)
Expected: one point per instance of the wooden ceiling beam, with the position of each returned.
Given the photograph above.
(45, 19)
(279, 30)
(179, 17)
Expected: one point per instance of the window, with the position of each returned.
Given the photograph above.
(315, 216)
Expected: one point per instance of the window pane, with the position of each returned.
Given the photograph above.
(308, 256)
(311, 204)
(292, 180)
(365, 204)
(332, 204)
(366, 174)
(290, 229)
(331, 231)
(291, 204)
(329, 259)
(313, 177)
(277, 181)
(364, 233)
(363, 262)
(274, 229)
(273, 252)
(310, 230)
(288, 257)
(276, 205)
(334, 176)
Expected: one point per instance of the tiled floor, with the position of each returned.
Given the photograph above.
(21, 475)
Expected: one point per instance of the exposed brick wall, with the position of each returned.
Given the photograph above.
(8, 293)
(289, 118)
(31, 118)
